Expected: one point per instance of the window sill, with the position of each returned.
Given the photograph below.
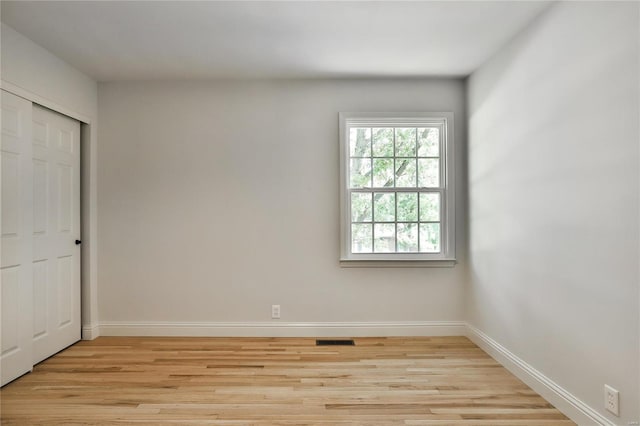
(440, 263)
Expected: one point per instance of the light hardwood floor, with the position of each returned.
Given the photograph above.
(273, 381)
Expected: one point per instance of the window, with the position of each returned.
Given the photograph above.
(397, 199)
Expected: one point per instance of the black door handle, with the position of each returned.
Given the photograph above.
(78, 242)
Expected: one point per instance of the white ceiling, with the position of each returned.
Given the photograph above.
(114, 40)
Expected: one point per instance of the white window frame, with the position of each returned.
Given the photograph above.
(443, 120)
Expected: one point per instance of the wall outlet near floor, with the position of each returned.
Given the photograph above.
(275, 311)
(611, 400)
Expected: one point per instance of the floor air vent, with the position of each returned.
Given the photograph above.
(343, 342)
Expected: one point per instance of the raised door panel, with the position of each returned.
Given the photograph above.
(11, 283)
(40, 298)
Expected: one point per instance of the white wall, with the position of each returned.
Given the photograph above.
(553, 183)
(218, 199)
(30, 66)
(30, 71)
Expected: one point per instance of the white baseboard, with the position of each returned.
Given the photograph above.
(90, 331)
(561, 398)
(283, 329)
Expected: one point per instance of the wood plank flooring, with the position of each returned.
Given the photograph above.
(273, 381)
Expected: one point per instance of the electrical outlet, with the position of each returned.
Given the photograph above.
(275, 311)
(611, 400)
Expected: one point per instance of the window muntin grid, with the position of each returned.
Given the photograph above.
(393, 173)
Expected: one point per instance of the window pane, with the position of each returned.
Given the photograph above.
(429, 142)
(406, 172)
(428, 172)
(383, 142)
(385, 238)
(430, 237)
(384, 207)
(407, 207)
(429, 207)
(361, 238)
(360, 173)
(407, 237)
(405, 142)
(382, 172)
(361, 207)
(360, 142)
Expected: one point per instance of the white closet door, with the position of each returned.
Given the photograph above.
(56, 227)
(16, 275)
